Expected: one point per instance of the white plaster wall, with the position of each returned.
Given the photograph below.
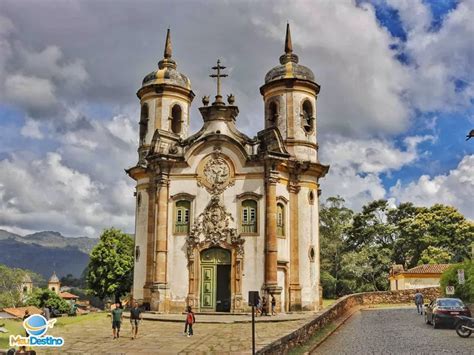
(141, 229)
(308, 235)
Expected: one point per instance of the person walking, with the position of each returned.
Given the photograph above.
(419, 302)
(273, 305)
(117, 315)
(26, 315)
(190, 320)
(135, 318)
(46, 313)
(264, 306)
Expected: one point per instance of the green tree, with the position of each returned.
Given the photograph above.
(42, 297)
(450, 278)
(366, 270)
(10, 286)
(334, 219)
(370, 227)
(435, 255)
(110, 267)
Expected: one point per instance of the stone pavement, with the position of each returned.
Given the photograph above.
(166, 337)
(393, 331)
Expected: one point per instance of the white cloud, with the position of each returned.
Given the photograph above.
(356, 165)
(455, 188)
(31, 129)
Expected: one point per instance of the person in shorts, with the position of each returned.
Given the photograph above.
(117, 315)
(135, 318)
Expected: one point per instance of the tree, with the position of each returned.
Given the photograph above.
(334, 219)
(44, 297)
(110, 267)
(10, 286)
(435, 255)
(450, 278)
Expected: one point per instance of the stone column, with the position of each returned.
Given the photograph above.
(150, 242)
(161, 246)
(295, 287)
(271, 244)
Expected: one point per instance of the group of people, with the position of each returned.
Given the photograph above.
(136, 317)
(262, 305)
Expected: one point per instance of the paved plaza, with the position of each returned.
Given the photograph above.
(166, 337)
(393, 331)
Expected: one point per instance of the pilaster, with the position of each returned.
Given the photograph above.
(295, 287)
(271, 246)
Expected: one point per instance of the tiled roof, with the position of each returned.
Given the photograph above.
(67, 295)
(19, 312)
(428, 269)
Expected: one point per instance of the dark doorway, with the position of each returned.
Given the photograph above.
(223, 288)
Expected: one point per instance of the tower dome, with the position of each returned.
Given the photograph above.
(289, 67)
(53, 278)
(167, 73)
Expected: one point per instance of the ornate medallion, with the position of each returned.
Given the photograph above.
(215, 173)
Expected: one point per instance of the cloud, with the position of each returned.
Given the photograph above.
(455, 188)
(357, 165)
(31, 129)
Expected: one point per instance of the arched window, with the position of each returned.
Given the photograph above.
(280, 220)
(143, 122)
(273, 113)
(176, 119)
(25, 289)
(249, 216)
(182, 217)
(307, 116)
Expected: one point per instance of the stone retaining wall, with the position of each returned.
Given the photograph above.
(342, 306)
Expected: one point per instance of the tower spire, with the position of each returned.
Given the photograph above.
(167, 62)
(288, 44)
(168, 48)
(288, 56)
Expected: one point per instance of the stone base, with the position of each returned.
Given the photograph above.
(295, 298)
(159, 300)
(275, 291)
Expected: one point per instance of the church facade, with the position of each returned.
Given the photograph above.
(218, 213)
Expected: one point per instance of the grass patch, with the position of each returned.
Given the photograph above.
(327, 302)
(315, 339)
(15, 327)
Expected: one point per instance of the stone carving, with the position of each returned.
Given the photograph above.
(212, 226)
(216, 174)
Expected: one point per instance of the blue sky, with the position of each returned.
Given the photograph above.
(395, 105)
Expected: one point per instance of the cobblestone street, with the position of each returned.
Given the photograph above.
(393, 331)
(166, 337)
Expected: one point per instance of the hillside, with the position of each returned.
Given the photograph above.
(45, 252)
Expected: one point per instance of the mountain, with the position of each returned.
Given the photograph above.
(45, 252)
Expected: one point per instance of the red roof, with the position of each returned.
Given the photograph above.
(68, 296)
(428, 269)
(19, 312)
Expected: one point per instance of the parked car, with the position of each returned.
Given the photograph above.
(444, 311)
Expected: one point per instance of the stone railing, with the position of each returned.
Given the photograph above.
(343, 306)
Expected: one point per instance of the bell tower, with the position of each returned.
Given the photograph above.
(289, 94)
(165, 100)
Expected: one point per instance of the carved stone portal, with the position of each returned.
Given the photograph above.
(212, 227)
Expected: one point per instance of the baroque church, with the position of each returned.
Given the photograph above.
(218, 213)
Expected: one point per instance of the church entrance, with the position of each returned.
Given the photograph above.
(215, 280)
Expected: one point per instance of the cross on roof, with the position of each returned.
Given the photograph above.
(218, 76)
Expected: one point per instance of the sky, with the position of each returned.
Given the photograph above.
(396, 100)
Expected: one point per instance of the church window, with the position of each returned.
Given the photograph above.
(182, 216)
(249, 216)
(312, 253)
(280, 220)
(137, 253)
(25, 289)
(307, 116)
(273, 113)
(311, 197)
(143, 122)
(176, 119)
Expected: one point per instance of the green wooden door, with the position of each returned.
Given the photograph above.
(208, 287)
(210, 259)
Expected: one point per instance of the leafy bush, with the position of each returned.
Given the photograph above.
(450, 278)
(44, 297)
